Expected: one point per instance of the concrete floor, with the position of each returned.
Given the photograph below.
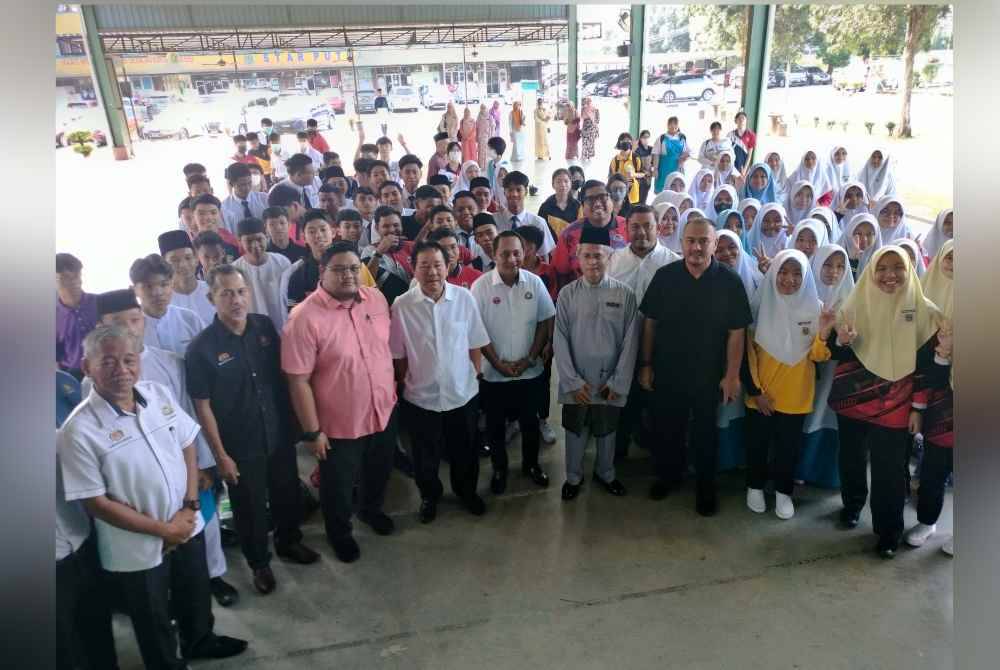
(600, 582)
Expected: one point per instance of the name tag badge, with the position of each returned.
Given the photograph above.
(168, 410)
(529, 295)
(908, 315)
(613, 304)
(224, 358)
(116, 436)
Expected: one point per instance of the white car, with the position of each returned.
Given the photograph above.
(437, 96)
(475, 93)
(179, 121)
(681, 87)
(403, 97)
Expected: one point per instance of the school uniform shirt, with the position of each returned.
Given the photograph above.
(241, 377)
(511, 315)
(293, 252)
(694, 317)
(174, 330)
(265, 282)
(506, 220)
(395, 270)
(710, 151)
(135, 458)
(792, 388)
(196, 301)
(236, 209)
(636, 272)
(596, 339)
(72, 325)
(483, 263)
(559, 218)
(309, 192)
(435, 339)
(743, 146)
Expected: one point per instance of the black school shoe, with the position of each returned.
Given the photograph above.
(614, 487)
(537, 475)
(379, 522)
(346, 548)
(571, 491)
(849, 518)
(224, 593)
(498, 482)
(218, 646)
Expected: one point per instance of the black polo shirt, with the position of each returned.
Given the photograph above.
(303, 280)
(241, 376)
(411, 227)
(293, 252)
(693, 320)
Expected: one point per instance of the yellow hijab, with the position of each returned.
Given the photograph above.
(890, 327)
(937, 286)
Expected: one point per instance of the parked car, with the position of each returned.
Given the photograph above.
(179, 121)
(817, 76)
(366, 99)
(435, 96)
(682, 87)
(337, 101)
(402, 98)
(796, 77)
(720, 76)
(291, 112)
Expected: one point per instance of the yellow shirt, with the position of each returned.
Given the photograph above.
(626, 168)
(366, 277)
(790, 387)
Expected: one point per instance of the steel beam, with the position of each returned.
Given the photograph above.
(636, 72)
(760, 24)
(109, 96)
(571, 58)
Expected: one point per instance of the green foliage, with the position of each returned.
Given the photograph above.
(80, 137)
(84, 149)
(890, 127)
(869, 125)
(667, 29)
(725, 26)
(830, 125)
(929, 72)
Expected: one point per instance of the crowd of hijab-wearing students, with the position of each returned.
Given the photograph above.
(850, 352)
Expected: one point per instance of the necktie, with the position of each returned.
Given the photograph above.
(412, 200)
(513, 222)
(246, 210)
(305, 199)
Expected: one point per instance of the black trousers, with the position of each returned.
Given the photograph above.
(83, 613)
(452, 433)
(934, 471)
(633, 415)
(783, 432)
(671, 412)
(544, 389)
(370, 456)
(520, 396)
(274, 478)
(175, 589)
(644, 186)
(888, 448)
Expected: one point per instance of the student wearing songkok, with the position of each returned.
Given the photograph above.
(189, 291)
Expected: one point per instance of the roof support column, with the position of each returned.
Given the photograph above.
(760, 24)
(108, 92)
(571, 59)
(636, 72)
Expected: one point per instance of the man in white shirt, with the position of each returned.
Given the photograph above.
(242, 202)
(127, 452)
(516, 309)
(263, 270)
(714, 147)
(189, 291)
(515, 188)
(410, 171)
(119, 308)
(435, 337)
(167, 326)
(302, 177)
(306, 147)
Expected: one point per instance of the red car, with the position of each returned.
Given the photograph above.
(337, 100)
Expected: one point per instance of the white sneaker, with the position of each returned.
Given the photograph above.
(919, 534)
(755, 501)
(548, 435)
(949, 546)
(783, 506)
(513, 428)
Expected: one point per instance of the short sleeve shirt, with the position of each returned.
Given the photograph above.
(693, 320)
(133, 458)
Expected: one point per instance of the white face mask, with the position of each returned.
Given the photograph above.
(492, 154)
(455, 156)
(255, 180)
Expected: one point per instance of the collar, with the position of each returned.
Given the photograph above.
(107, 412)
(448, 295)
(329, 302)
(604, 283)
(497, 279)
(226, 333)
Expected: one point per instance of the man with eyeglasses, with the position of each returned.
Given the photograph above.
(597, 213)
(335, 352)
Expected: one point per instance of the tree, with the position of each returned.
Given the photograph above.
(722, 27)
(667, 29)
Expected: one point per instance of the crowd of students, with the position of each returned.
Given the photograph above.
(730, 321)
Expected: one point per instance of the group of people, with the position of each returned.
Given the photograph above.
(398, 307)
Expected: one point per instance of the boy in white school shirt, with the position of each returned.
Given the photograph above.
(189, 292)
(243, 201)
(263, 270)
(167, 326)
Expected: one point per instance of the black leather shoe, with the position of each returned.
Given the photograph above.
(346, 549)
(886, 549)
(537, 475)
(659, 490)
(614, 487)
(428, 510)
(228, 537)
(218, 646)
(379, 522)
(298, 553)
(498, 482)
(484, 451)
(224, 593)
(263, 580)
(707, 505)
(475, 505)
(849, 518)
(570, 491)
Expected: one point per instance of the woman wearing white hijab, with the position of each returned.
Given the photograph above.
(861, 239)
(729, 251)
(725, 171)
(668, 230)
(838, 168)
(826, 216)
(878, 176)
(787, 339)
(938, 425)
(779, 177)
(943, 230)
(676, 182)
(701, 189)
(808, 236)
(852, 199)
(723, 197)
(891, 216)
(813, 170)
(687, 214)
(800, 201)
(820, 446)
(748, 203)
(499, 197)
(462, 183)
(916, 257)
(885, 340)
(767, 235)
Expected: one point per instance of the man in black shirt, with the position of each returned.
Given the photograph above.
(241, 398)
(303, 276)
(427, 198)
(693, 336)
(278, 234)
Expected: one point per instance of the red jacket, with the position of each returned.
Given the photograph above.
(564, 259)
(465, 276)
(319, 143)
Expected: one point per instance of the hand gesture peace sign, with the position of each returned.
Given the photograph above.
(763, 262)
(827, 319)
(846, 334)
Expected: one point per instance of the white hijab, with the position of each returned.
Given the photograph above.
(796, 214)
(847, 239)
(881, 182)
(772, 245)
(839, 174)
(831, 295)
(838, 202)
(462, 183)
(821, 214)
(711, 202)
(919, 265)
(702, 199)
(721, 176)
(785, 325)
(746, 268)
(818, 176)
(672, 242)
(817, 228)
(779, 177)
(744, 203)
(935, 237)
(901, 229)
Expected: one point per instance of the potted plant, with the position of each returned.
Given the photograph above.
(815, 122)
(796, 117)
(869, 125)
(830, 125)
(81, 141)
(891, 126)
(843, 125)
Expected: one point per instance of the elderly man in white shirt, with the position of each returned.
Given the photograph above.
(167, 326)
(635, 266)
(511, 217)
(435, 338)
(517, 310)
(127, 452)
(264, 271)
(189, 292)
(242, 202)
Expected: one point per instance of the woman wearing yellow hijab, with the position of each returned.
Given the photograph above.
(885, 338)
(938, 433)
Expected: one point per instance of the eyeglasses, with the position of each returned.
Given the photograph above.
(344, 269)
(599, 197)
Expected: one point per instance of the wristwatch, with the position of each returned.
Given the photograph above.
(310, 436)
(193, 504)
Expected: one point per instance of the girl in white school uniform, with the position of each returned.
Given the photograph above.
(808, 236)
(861, 239)
(852, 199)
(801, 199)
(916, 256)
(748, 208)
(892, 218)
(779, 177)
(943, 230)
(786, 340)
(820, 442)
(839, 168)
(701, 189)
(723, 197)
(667, 229)
(829, 220)
(768, 234)
(813, 169)
(676, 182)
(878, 176)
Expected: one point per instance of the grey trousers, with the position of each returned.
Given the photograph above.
(577, 444)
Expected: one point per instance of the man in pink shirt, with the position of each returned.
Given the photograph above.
(335, 351)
